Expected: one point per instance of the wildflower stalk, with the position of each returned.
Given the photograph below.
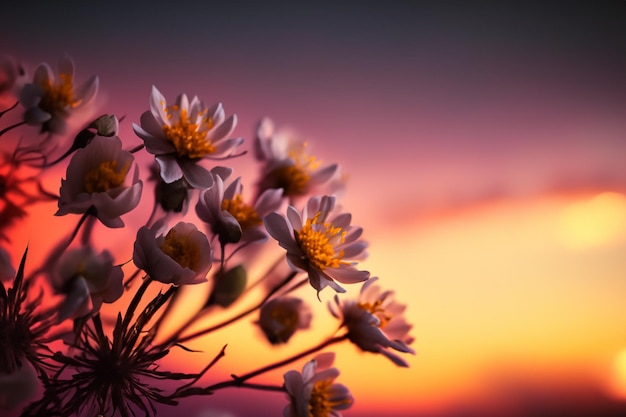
(239, 381)
(61, 247)
(3, 112)
(13, 126)
(225, 323)
(135, 301)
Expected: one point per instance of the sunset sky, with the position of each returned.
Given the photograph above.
(484, 148)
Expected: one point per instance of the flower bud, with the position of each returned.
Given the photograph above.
(228, 229)
(7, 272)
(106, 125)
(228, 286)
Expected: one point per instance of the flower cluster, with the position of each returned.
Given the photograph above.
(83, 333)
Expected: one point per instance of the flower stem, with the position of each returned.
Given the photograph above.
(135, 301)
(238, 381)
(13, 126)
(233, 319)
(61, 247)
(2, 113)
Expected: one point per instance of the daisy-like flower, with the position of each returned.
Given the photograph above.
(312, 393)
(325, 247)
(220, 206)
(375, 322)
(98, 179)
(50, 100)
(87, 279)
(287, 164)
(182, 256)
(281, 317)
(182, 134)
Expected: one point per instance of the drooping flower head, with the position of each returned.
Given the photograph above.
(182, 134)
(312, 393)
(281, 317)
(324, 246)
(287, 165)
(181, 256)
(98, 178)
(375, 322)
(50, 100)
(87, 279)
(221, 207)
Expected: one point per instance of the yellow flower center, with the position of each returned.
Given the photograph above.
(188, 138)
(316, 241)
(245, 214)
(376, 310)
(181, 249)
(104, 177)
(59, 96)
(320, 405)
(294, 179)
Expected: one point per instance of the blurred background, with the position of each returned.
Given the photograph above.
(484, 145)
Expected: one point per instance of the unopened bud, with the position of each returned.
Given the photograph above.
(228, 229)
(228, 286)
(106, 125)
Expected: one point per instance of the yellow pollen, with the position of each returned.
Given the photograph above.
(315, 240)
(59, 96)
(181, 249)
(294, 179)
(104, 177)
(188, 138)
(378, 311)
(319, 403)
(245, 214)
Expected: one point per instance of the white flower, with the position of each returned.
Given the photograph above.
(326, 248)
(49, 101)
(281, 317)
(184, 133)
(98, 177)
(312, 392)
(19, 387)
(209, 209)
(182, 256)
(221, 207)
(87, 279)
(375, 322)
(287, 164)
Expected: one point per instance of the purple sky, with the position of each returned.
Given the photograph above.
(476, 100)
